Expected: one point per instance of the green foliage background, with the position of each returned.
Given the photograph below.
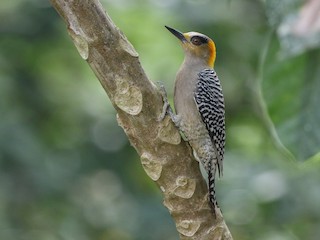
(67, 170)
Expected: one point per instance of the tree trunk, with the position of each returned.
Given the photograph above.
(165, 157)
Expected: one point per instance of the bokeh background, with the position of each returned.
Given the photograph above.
(67, 170)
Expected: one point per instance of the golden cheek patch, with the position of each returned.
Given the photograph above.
(212, 58)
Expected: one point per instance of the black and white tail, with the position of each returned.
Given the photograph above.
(212, 186)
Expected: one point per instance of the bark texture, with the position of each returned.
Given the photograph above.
(165, 157)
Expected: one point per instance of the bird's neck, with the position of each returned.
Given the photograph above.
(196, 63)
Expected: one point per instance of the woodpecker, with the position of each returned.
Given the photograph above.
(199, 104)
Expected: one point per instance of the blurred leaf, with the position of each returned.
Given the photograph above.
(297, 23)
(290, 76)
(290, 93)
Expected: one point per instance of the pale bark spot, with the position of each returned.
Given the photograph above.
(127, 46)
(168, 133)
(80, 42)
(152, 167)
(127, 97)
(185, 187)
(188, 227)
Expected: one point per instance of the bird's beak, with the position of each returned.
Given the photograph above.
(178, 34)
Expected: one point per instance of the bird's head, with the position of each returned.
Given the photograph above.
(197, 46)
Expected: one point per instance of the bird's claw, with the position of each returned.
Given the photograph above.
(166, 109)
(166, 105)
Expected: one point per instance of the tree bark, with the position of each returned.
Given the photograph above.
(166, 158)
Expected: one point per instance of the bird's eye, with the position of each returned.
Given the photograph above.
(196, 41)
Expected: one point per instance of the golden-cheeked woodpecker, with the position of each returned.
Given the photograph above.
(199, 104)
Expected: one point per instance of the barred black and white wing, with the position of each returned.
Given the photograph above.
(210, 102)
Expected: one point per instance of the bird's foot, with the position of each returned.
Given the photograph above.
(166, 105)
(166, 109)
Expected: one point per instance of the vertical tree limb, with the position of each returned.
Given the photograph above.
(165, 158)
